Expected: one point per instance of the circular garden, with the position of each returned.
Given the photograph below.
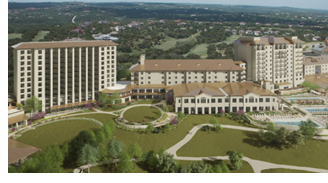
(142, 114)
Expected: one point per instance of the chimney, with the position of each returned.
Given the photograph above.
(142, 59)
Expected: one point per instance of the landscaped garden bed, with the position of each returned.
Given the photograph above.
(142, 114)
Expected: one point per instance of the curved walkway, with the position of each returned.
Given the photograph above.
(257, 165)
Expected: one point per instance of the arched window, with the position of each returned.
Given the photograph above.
(251, 99)
(203, 100)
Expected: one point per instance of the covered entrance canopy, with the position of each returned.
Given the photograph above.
(18, 150)
(17, 119)
(71, 105)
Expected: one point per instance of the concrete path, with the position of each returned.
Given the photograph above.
(257, 165)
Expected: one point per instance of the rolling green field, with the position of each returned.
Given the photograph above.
(248, 143)
(155, 142)
(170, 42)
(231, 39)
(199, 49)
(137, 114)
(283, 170)
(103, 118)
(14, 35)
(40, 35)
(57, 132)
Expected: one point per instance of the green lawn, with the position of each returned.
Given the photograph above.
(110, 109)
(137, 114)
(170, 42)
(155, 142)
(231, 39)
(14, 35)
(283, 170)
(200, 49)
(40, 35)
(98, 116)
(141, 168)
(217, 144)
(57, 132)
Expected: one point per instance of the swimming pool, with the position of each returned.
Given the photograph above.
(316, 109)
(290, 123)
(305, 98)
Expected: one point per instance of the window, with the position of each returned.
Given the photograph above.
(241, 100)
(22, 57)
(186, 101)
(226, 100)
(212, 100)
(273, 100)
(40, 95)
(251, 99)
(203, 100)
(22, 90)
(267, 100)
(219, 100)
(261, 99)
(22, 52)
(192, 101)
(40, 57)
(234, 100)
(22, 80)
(179, 101)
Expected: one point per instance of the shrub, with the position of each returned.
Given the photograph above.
(19, 106)
(165, 109)
(88, 105)
(206, 128)
(13, 129)
(222, 111)
(217, 114)
(129, 103)
(174, 121)
(29, 122)
(131, 120)
(156, 130)
(240, 113)
(144, 120)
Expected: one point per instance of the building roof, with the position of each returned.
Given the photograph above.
(267, 40)
(283, 83)
(129, 87)
(17, 118)
(188, 65)
(220, 89)
(315, 60)
(239, 62)
(61, 44)
(18, 150)
(325, 48)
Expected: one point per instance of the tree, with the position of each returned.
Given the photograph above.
(125, 165)
(271, 127)
(150, 128)
(167, 127)
(282, 136)
(236, 159)
(33, 105)
(19, 106)
(100, 136)
(115, 98)
(112, 125)
(159, 113)
(215, 123)
(115, 149)
(93, 135)
(180, 115)
(107, 131)
(135, 151)
(308, 129)
(103, 98)
(296, 137)
(151, 159)
(167, 163)
(78, 142)
(88, 155)
(165, 109)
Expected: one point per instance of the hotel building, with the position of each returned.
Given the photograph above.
(63, 74)
(278, 60)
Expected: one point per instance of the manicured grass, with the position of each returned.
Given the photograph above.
(155, 142)
(84, 111)
(137, 114)
(57, 132)
(199, 49)
(283, 170)
(14, 35)
(170, 42)
(231, 39)
(205, 144)
(110, 109)
(40, 35)
(142, 168)
(103, 118)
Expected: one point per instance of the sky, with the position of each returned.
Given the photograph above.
(312, 4)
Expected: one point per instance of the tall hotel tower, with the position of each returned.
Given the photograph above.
(63, 74)
(278, 60)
